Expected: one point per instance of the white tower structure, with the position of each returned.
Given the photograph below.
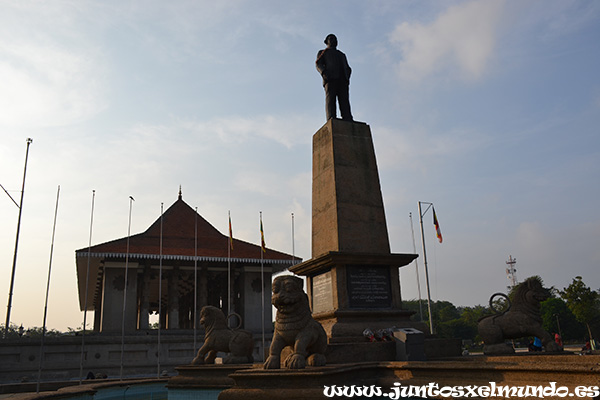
(511, 272)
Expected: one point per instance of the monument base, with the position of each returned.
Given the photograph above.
(352, 292)
(346, 326)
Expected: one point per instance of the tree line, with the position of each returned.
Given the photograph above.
(573, 312)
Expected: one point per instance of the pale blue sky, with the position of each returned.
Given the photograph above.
(489, 109)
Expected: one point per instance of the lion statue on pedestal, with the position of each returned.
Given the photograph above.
(295, 327)
(219, 337)
(523, 318)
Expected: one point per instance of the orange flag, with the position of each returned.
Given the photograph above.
(438, 232)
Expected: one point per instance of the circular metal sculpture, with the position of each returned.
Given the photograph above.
(499, 303)
(239, 319)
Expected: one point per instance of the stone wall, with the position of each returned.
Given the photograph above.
(20, 358)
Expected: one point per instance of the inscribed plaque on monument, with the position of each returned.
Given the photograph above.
(369, 286)
(322, 293)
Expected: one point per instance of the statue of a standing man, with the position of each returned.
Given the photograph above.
(333, 67)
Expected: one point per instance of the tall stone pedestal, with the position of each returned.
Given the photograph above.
(347, 207)
(352, 278)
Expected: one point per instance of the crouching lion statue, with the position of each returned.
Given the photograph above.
(523, 318)
(294, 326)
(219, 337)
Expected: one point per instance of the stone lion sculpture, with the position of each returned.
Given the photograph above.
(295, 327)
(218, 337)
(523, 318)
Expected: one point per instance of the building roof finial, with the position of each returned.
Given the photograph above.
(179, 197)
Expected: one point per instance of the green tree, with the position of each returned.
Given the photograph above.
(557, 317)
(456, 328)
(441, 311)
(471, 316)
(413, 305)
(36, 331)
(583, 302)
(15, 331)
(446, 311)
(450, 321)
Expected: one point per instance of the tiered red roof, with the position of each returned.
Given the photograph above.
(178, 241)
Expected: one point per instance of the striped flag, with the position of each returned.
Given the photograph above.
(438, 232)
(230, 233)
(262, 236)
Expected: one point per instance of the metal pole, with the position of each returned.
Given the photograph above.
(87, 280)
(228, 275)
(47, 291)
(262, 285)
(14, 265)
(412, 230)
(293, 243)
(558, 324)
(160, 260)
(195, 276)
(131, 200)
(431, 330)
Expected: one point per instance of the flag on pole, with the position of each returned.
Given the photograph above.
(230, 233)
(438, 232)
(262, 236)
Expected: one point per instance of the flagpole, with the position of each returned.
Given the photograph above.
(14, 266)
(262, 281)
(47, 291)
(412, 230)
(293, 243)
(195, 276)
(160, 260)
(131, 200)
(229, 271)
(431, 330)
(87, 284)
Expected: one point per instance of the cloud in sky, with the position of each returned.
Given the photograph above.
(287, 130)
(462, 38)
(48, 80)
(175, 148)
(420, 149)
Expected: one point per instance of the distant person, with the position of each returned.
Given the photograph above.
(586, 347)
(333, 67)
(558, 340)
(537, 344)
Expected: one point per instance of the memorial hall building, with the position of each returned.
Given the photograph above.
(195, 259)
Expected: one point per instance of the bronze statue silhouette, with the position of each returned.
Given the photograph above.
(333, 67)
